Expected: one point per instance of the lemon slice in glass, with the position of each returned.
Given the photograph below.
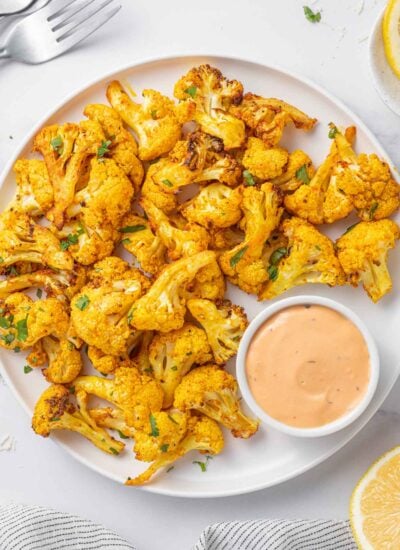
(391, 35)
(375, 505)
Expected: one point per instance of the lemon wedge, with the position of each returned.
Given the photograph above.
(375, 505)
(391, 35)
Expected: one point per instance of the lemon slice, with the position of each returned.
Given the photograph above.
(375, 505)
(391, 35)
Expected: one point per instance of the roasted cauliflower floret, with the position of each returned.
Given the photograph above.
(366, 180)
(212, 391)
(65, 149)
(265, 163)
(157, 121)
(34, 194)
(112, 419)
(298, 170)
(268, 117)
(179, 242)
(216, 205)
(262, 212)
(53, 411)
(101, 314)
(310, 259)
(137, 395)
(22, 240)
(85, 244)
(203, 435)
(363, 251)
(224, 324)
(213, 94)
(163, 307)
(120, 145)
(24, 321)
(321, 200)
(209, 283)
(64, 360)
(172, 355)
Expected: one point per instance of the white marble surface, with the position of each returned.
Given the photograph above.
(332, 53)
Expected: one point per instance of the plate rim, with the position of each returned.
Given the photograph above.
(171, 57)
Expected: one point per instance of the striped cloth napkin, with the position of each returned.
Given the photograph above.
(35, 528)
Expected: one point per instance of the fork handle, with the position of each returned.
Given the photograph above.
(4, 53)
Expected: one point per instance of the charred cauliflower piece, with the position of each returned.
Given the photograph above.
(101, 312)
(172, 355)
(268, 117)
(363, 251)
(64, 360)
(203, 435)
(34, 194)
(157, 121)
(120, 145)
(262, 212)
(367, 181)
(163, 307)
(53, 411)
(310, 258)
(224, 324)
(66, 149)
(265, 163)
(24, 321)
(216, 205)
(212, 391)
(213, 95)
(298, 170)
(22, 240)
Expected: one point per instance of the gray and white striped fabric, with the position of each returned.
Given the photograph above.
(35, 528)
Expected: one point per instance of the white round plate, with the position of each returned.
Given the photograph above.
(269, 457)
(386, 83)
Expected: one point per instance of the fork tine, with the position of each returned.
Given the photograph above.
(57, 8)
(72, 38)
(69, 14)
(80, 16)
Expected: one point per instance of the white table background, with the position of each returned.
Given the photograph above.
(333, 53)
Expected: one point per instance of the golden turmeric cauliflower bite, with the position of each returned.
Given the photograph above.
(224, 324)
(101, 311)
(362, 252)
(163, 307)
(213, 95)
(173, 354)
(367, 181)
(209, 283)
(120, 145)
(212, 391)
(243, 264)
(24, 321)
(54, 411)
(64, 360)
(216, 205)
(157, 121)
(203, 435)
(265, 163)
(267, 117)
(146, 246)
(308, 258)
(34, 194)
(298, 169)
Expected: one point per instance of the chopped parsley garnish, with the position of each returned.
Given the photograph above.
(72, 390)
(126, 241)
(72, 238)
(169, 469)
(82, 302)
(248, 178)
(12, 271)
(172, 419)
(6, 322)
(8, 338)
(203, 465)
(350, 227)
(39, 293)
(174, 367)
(302, 175)
(238, 256)
(313, 17)
(164, 448)
(114, 451)
(27, 369)
(54, 419)
(22, 329)
(71, 346)
(273, 272)
(103, 149)
(167, 183)
(121, 435)
(332, 132)
(57, 145)
(17, 349)
(372, 210)
(277, 255)
(153, 114)
(132, 228)
(192, 91)
(155, 432)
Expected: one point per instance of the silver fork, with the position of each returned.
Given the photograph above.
(56, 28)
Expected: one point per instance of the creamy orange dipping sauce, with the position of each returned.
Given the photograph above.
(308, 365)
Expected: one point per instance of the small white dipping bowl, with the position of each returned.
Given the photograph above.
(325, 429)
